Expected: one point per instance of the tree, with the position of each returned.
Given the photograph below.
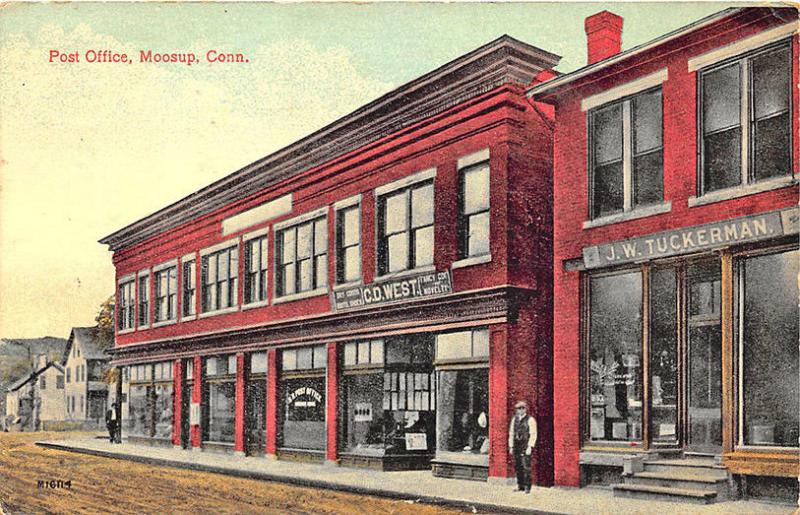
(105, 323)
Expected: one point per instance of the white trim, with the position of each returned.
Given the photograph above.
(126, 331)
(744, 120)
(223, 311)
(627, 158)
(255, 234)
(403, 273)
(474, 158)
(232, 242)
(634, 214)
(189, 257)
(623, 90)
(126, 278)
(164, 266)
(474, 260)
(424, 175)
(743, 190)
(743, 45)
(351, 284)
(257, 304)
(142, 272)
(259, 214)
(302, 295)
(189, 318)
(162, 323)
(347, 202)
(305, 217)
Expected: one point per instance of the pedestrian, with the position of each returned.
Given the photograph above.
(111, 422)
(521, 440)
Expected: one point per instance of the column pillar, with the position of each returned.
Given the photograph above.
(118, 407)
(499, 459)
(272, 403)
(197, 394)
(238, 427)
(177, 392)
(331, 394)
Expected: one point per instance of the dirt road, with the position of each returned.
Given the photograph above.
(103, 485)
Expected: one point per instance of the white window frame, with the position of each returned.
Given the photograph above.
(156, 271)
(344, 205)
(129, 278)
(188, 258)
(321, 213)
(246, 239)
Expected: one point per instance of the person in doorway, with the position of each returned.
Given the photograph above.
(521, 440)
(111, 422)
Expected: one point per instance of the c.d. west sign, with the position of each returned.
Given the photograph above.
(430, 284)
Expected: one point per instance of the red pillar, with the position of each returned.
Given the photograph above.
(272, 402)
(499, 461)
(177, 391)
(197, 391)
(238, 446)
(332, 404)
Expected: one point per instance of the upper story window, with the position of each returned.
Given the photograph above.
(166, 289)
(43, 382)
(220, 279)
(473, 223)
(302, 257)
(348, 244)
(59, 382)
(125, 305)
(405, 221)
(745, 122)
(144, 300)
(189, 288)
(626, 154)
(255, 277)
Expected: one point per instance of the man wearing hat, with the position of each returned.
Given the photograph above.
(521, 441)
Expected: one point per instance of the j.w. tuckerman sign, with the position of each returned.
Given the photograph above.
(423, 285)
(693, 239)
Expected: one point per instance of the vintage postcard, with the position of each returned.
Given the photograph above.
(399, 257)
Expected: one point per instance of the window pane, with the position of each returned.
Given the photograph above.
(480, 343)
(350, 226)
(288, 245)
(253, 255)
(647, 121)
(664, 355)
(478, 237)
(769, 347)
(607, 134)
(454, 345)
(771, 78)
(350, 353)
(648, 178)
(320, 237)
(289, 279)
(722, 158)
(771, 145)
(221, 412)
(322, 270)
(320, 356)
(305, 275)
(224, 301)
(615, 350)
(607, 192)
(352, 264)
(396, 213)
(304, 358)
(289, 359)
(303, 241)
(363, 352)
(462, 415)
(398, 252)
(476, 189)
(163, 411)
(721, 99)
(422, 206)
(423, 247)
(302, 415)
(258, 363)
(364, 430)
(376, 352)
(264, 252)
(211, 366)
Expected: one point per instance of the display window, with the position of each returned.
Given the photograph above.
(302, 396)
(219, 392)
(769, 379)
(256, 403)
(462, 396)
(150, 400)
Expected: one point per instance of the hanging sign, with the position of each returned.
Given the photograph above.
(432, 284)
(746, 229)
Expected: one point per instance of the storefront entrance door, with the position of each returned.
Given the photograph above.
(704, 370)
(256, 417)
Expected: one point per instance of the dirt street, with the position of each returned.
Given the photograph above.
(104, 485)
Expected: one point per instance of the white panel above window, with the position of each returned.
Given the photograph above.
(264, 212)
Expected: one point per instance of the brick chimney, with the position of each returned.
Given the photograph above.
(603, 35)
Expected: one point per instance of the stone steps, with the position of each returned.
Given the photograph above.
(699, 481)
(663, 493)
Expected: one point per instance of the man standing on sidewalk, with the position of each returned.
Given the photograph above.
(521, 440)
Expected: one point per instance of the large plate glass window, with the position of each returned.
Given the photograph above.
(615, 357)
(473, 225)
(302, 262)
(626, 142)
(256, 404)
(302, 397)
(348, 245)
(745, 119)
(768, 354)
(664, 355)
(220, 398)
(405, 219)
(363, 397)
(166, 286)
(220, 272)
(150, 400)
(255, 278)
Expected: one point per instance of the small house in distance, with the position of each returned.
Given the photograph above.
(84, 364)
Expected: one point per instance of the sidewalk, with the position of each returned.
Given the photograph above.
(418, 486)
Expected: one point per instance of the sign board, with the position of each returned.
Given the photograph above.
(304, 397)
(416, 442)
(431, 284)
(746, 229)
(362, 412)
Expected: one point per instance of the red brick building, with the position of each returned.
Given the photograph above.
(675, 255)
(376, 294)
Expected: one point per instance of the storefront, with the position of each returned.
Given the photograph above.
(388, 397)
(301, 393)
(219, 401)
(150, 403)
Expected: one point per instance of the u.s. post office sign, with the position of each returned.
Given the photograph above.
(430, 284)
(746, 229)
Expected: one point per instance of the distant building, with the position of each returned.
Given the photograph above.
(19, 414)
(84, 362)
(48, 394)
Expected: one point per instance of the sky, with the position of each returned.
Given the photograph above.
(88, 148)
